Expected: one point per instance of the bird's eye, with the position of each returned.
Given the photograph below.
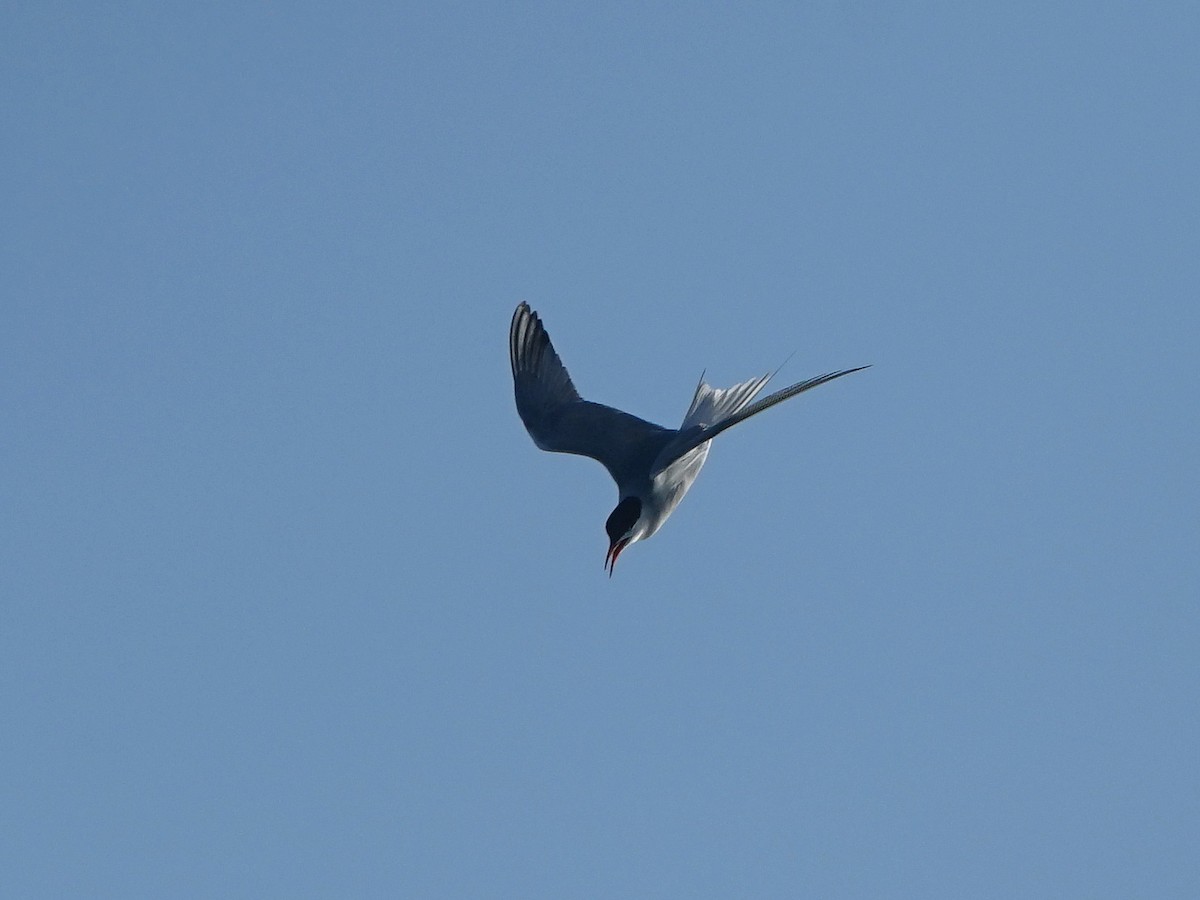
(623, 518)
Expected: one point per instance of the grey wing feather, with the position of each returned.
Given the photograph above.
(539, 375)
(557, 418)
(692, 435)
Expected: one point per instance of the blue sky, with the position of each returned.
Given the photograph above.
(292, 606)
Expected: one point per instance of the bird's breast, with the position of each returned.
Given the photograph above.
(668, 487)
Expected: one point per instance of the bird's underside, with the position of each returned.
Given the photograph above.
(653, 464)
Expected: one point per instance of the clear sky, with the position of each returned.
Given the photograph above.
(290, 605)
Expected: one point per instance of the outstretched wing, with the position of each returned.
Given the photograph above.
(729, 407)
(556, 417)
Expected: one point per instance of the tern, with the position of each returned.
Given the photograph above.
(653, 466)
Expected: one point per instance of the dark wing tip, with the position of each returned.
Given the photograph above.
(534, 361)
(521, 334)
(839, 374)
(526, 336)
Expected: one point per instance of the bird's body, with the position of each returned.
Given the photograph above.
(653, 466)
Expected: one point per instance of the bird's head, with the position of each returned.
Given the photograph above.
(622, 528)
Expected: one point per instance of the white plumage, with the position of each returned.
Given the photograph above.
(652, 466)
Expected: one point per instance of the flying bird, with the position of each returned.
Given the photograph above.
(652, 466)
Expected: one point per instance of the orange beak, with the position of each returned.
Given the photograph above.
(610, 558)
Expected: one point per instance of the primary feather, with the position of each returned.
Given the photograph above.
(651, 465)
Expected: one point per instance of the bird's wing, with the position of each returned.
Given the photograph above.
(561, 421)
(732, 405)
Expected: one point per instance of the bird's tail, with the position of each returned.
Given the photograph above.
(711, 405)
(735, 404)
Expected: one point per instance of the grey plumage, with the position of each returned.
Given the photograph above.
(653, 464)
